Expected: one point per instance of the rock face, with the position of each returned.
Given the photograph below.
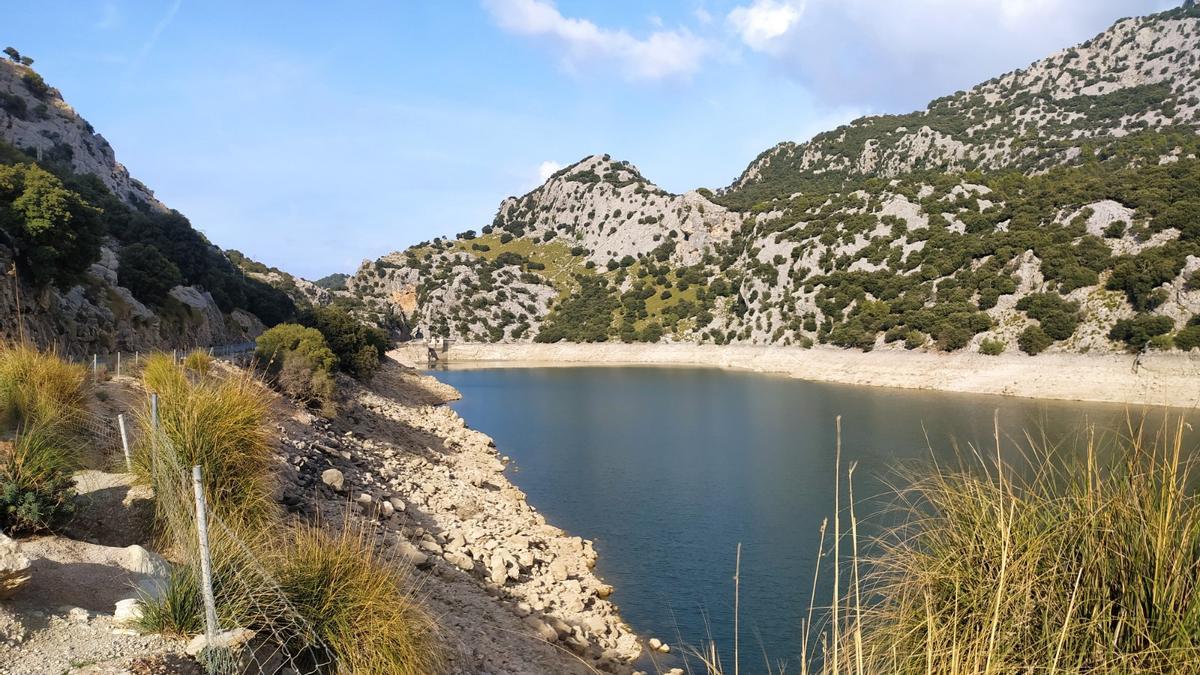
(455, 516)
(892, 232)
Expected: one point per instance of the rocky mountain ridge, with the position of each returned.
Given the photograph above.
(1051, 208)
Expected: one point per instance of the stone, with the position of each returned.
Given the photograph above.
(522, 609)
(397, 503)
(229, 639)
(655, 644)
(411, 554)
(127, 611)
(459, 560)
(543, 629)
(334, 479)
(14, 567)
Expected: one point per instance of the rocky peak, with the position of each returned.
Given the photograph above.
(33, 115)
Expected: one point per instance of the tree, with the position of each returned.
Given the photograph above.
(26, 61)
(1137, 332)
(55, 232)
(13, 54)
(147, 273)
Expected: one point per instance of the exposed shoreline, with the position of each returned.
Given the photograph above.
(1160, 379)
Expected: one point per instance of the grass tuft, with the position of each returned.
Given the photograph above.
(359, 603)
(36, 385)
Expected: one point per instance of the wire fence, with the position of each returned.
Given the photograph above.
(247, 596)
(125, 363)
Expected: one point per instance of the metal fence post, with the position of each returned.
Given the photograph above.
(118, 364)
(95, 370)
(210, 603)
(125, 442)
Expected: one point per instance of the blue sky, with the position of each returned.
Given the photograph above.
(312, 135)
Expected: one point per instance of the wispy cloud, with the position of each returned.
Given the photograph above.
(110, 16)
(155, 34)
(661, 54)
(547, 169)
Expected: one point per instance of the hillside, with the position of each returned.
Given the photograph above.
(1053, 208)
(92, 261)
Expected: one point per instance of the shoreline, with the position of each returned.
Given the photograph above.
(1161, 379)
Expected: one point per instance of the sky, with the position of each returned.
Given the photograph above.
(313, 135)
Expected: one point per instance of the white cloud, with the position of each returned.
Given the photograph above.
(762, 21)
(899, 55)
(662, 54)
(702, 15)
(546, 169)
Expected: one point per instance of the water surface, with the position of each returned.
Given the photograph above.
(668, 469)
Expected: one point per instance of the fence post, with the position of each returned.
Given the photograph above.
(210, 603)
(95, 370)
(125, 442)
(154, 434)
(118, 364)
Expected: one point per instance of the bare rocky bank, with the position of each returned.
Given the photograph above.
(1157, 379)
(514, 594)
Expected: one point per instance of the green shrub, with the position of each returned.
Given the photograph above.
(1033, 340)
(1058, 317)
(147, 273)
(359, 348)
(198, 361)
(300, 362)
(990, 347)
(1188, 338)
(1137, 332)
(914, 339)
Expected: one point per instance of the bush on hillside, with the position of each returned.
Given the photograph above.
(359, 348)
(1137, 332)
(147, 273)
(300, 362)
(990, 347)
(1033, 340)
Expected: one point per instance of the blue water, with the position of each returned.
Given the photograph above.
(668, 469)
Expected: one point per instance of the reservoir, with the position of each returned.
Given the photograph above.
(667, 470)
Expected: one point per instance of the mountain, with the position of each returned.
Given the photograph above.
(1052, 208)
(91, 260)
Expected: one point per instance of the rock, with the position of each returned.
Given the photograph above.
(459, 560)
(229, 639)
(334, 479)
(558, 570)
(14, 567)
(78, 615)
(141, 561)
(386, 509)
(396, 503)
(604, 590)
(542, 628)
(411, 554)
(522, 609)
(655, 644)
(127, 611)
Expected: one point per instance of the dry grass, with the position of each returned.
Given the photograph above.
(37, 385)
(360, 604)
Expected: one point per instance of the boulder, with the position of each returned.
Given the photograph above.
(334, 479)
(14, 567)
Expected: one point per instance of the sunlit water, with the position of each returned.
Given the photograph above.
(668, 469)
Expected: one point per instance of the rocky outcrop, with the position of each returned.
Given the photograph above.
(14, 567)
(100, 317)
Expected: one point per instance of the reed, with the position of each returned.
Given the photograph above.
(1061, 561)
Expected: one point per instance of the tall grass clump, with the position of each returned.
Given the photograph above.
(37, 385)
(361, 605)
(1061, 562)
(198, 361)
(36, 486)
(218, 424)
